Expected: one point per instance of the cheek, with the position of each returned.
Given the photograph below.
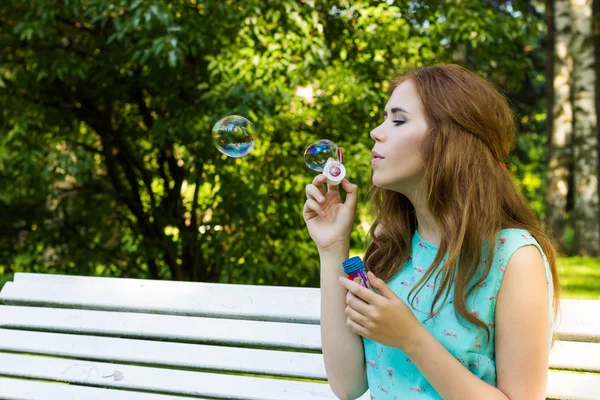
(406, 165)
(410, 167)
(408, 154)
(411, 154)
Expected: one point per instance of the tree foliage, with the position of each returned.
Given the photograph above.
(106, 159)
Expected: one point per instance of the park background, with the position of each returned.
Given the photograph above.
(107, 165)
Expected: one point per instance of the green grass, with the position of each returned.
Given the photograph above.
(580, 277)
(4, 279)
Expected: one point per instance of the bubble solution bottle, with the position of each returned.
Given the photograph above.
(355, 270)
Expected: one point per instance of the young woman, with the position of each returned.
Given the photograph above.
(465, 277)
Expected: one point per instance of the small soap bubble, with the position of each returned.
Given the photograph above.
(317, 154)
(234, 136)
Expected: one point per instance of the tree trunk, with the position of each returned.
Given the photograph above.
(596, 36)
(562, 119)
(550, 43)
(586, 221)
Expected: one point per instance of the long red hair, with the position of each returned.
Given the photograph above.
(470, 194)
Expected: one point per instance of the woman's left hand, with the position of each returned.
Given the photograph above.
(384, 317)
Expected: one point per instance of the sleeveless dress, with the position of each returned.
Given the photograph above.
(392, 375)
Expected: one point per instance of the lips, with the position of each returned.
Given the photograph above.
(376, 158)
(377, 155)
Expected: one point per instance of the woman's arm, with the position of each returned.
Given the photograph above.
(522, 337)
(523, 327)
(343, 350)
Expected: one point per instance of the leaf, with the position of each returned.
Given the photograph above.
(135, 4)
(172, 58)
(245, 59)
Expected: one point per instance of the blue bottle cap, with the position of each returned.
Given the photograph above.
(352, 265)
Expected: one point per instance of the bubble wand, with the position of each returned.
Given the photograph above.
(334, 170)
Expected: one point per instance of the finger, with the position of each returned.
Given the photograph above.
(357, 317)
(311, 206)
(355, 327)
(357, 304)
(351, 194)
(313, 192)
(333, 188)
(319, 182)
(380, 286)
(359, 291)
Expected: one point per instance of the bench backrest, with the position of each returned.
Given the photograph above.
(201, 339)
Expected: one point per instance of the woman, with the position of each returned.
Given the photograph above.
(466, 278)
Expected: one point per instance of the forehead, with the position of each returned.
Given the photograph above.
(405, 96)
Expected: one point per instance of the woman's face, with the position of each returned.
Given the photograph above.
(398, 140)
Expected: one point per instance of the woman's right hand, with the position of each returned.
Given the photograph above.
(333, 228)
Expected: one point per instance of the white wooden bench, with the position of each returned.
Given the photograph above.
(128, 339)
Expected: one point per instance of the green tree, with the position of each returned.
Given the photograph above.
(107, 164)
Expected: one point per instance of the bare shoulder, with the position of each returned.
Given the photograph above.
(525, 271)
(524, 284)
(523, 326)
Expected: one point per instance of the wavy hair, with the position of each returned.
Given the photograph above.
(470, 195)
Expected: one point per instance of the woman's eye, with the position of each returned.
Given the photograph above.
(398, 122)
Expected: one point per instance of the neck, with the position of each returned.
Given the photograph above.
(426, 224)
(428, 228)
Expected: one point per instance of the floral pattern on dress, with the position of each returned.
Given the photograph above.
(393, 375)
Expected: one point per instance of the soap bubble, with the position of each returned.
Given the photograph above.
(317, 154)
(234, 136)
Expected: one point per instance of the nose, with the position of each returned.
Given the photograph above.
(377, 133)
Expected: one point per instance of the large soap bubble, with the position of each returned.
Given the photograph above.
(317, 154)
(234, 136)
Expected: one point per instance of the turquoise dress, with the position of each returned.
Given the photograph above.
(392, 375)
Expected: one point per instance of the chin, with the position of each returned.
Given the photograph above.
(396, 185)
(377, 181)
(381, 183)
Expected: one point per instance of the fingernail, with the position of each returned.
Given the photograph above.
(323, 213)
(321, 199)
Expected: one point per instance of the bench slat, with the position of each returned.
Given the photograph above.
(202, 301)
(130, 283)
(576, 356)
(564, 355)
(20, 389)
(572, 386)
(577, 317)
(219, 358)
(164, 327)
(120, 376)
(561, 385)
(579, 321)
(226, 291)
(293, 304)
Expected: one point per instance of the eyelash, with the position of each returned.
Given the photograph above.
(396, 122)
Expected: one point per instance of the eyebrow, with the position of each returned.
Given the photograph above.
(395, 109)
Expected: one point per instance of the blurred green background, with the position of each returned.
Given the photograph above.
(107, 166)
